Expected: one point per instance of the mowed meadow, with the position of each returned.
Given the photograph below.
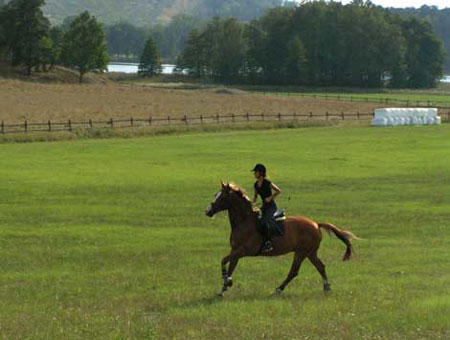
(37, 103)
(107, 239)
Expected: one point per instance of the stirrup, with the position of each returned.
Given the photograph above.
(267, 247)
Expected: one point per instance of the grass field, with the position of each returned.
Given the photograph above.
(107, 239)
(419, 98)
(35, 102)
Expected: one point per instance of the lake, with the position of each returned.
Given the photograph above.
(168, 69)
(133, 68)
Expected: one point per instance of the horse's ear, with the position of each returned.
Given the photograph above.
(223, 185)
(228, 185)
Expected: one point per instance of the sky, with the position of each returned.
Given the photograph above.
(409, 3)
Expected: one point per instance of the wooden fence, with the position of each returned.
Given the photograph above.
(444, 105)
(49, 126)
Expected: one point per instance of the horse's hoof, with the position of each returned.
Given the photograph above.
(326, 288)
(220, 294)
(278, 291)
(229, 282)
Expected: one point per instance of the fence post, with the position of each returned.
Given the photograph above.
(185, 120)
(217, 117)
(357, 114)
(201, 119)
(428, 103)
(111, 122)
(248, 117)
(295, 115)
(168, 120)
(132, 121)
(327, 115)
(90, 123)
(3, 127)
(342, 114)
(70, 125)
(232, 117)
(279, 116)
(310, 115)
(150, 121)
(49, 126)
(25, 126)
(262, 116)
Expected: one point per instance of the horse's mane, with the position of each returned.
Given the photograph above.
(242, 194)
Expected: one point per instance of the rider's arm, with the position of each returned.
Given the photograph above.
(275, 192)
(255, 197)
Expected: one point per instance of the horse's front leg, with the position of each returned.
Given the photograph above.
(226, 283)
(233, 259)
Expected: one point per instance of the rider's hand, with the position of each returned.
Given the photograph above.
(268, 199)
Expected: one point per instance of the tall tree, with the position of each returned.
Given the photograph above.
(84, 47)
(425, 54)
(125, 41)
(193, 58)
(296, 65)
(150, 62)
(56, 35)
(172, 38)
(27, 33)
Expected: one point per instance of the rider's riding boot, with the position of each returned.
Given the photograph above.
(268, 244)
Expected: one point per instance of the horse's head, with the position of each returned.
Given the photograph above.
(221, 201)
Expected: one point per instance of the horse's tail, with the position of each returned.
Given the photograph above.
(344, 235)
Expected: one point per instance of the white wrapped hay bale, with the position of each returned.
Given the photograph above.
(406, 116)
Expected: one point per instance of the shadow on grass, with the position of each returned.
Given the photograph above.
(236, 296)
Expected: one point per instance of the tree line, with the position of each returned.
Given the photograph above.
(316, 43)
(125, 41)
(319, 44)
(439, 20)
(27, 39)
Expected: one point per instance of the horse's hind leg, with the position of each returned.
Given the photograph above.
(320, 268)
(298, 259)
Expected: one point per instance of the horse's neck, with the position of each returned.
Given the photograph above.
(240, 213)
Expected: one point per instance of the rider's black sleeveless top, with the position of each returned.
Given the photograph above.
(264, 191)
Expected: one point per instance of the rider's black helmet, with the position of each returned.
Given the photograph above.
(261, 168)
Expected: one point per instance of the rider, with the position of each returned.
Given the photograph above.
(268, 191)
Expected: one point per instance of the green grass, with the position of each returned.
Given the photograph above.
(432, 97)
(107, 239)
(411, 98)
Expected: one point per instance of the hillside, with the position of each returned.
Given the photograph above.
(150, 12)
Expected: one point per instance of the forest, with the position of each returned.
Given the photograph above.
(318, 44)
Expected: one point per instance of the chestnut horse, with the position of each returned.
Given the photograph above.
(301, 236)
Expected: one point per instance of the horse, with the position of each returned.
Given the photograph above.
(301, 236)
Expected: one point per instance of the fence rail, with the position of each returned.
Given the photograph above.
(49, 126)
(444, 105)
